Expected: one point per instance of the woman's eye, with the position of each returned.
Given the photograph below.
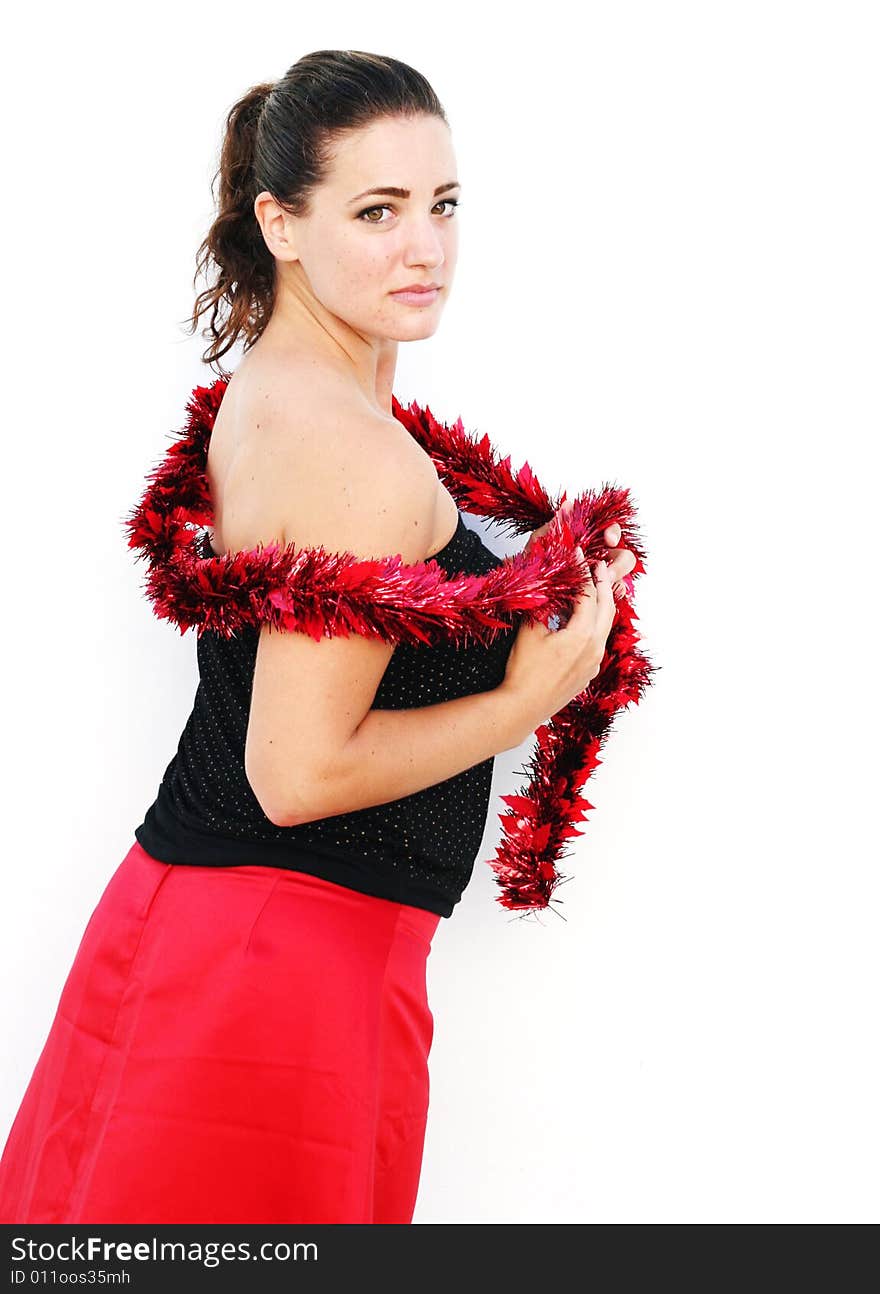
(445, 202)
(369, 211)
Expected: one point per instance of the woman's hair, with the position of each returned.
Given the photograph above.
(279, 138)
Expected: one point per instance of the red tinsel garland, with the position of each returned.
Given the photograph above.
(309, 590)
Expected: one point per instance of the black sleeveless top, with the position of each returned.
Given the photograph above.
(418, 850)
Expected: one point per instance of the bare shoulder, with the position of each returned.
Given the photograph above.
(305, 459)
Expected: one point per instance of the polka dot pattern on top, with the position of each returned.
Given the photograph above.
(418, 850)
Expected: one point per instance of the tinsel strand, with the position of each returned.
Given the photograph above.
(322, 593)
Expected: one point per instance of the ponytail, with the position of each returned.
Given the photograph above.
(242, 293)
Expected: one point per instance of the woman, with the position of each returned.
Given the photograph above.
(244, 1033)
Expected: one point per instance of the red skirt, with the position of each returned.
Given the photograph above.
(232, 1044)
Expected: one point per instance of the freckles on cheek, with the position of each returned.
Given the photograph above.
(374, 277)
(362, 268)
(356, 284)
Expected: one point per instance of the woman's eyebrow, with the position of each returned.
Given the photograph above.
(391, 192)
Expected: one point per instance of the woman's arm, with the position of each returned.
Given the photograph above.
(393, 753)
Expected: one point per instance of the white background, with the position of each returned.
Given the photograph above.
(668, 278)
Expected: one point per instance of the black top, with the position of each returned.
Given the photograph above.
(418, 850)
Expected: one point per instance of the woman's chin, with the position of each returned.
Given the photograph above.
(414, 329)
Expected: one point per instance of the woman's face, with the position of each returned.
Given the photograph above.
(358, 247)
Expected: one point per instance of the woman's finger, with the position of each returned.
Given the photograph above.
(589, 588)
(620, 562)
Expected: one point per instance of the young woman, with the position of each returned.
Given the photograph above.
(244, 1033)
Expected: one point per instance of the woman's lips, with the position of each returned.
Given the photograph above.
(417, 298)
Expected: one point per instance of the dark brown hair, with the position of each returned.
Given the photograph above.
(278, 138)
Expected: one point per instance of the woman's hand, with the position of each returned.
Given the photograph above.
(620, 561)
(546, 667)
